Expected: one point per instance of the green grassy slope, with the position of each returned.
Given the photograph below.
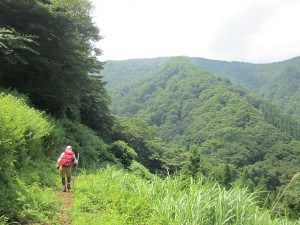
(111, 196)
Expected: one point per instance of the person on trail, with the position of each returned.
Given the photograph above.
(65, 163)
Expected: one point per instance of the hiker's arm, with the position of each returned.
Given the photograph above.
(75, 161)
(62, 154)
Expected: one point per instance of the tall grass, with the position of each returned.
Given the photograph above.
(116, 197)
(280, 194)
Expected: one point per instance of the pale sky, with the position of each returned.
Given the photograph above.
(257, 31)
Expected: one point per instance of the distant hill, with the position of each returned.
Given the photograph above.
(223, 122)
(279, 82)
(126, 71)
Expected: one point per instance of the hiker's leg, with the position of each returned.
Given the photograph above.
(68, 173)
(61, 172)
(63, 179)
(69, 183)
(63, 182)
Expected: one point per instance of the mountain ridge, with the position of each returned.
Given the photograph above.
(279, 82)
(210, 116)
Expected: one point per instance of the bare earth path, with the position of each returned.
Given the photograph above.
(67, 200)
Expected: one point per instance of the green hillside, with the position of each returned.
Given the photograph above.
(279, 82)
(214, 120)
(108, 195)
(119, 72)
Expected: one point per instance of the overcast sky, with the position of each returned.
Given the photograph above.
(258, 31)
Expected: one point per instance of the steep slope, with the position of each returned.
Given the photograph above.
(283, 89)
(279, 82)
(209, 116)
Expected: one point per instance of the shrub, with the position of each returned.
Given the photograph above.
(23, 131)
(27, 143)
(123, 152)
(138, 169)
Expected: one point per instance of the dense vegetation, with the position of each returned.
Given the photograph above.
(218, 141)
(28, 141)
(118, 72)
(174, 200)
(279, 82)
(47, 51)
(220, 129)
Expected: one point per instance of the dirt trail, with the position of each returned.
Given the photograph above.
(67, 200)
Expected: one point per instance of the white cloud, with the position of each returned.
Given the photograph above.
(248, 30)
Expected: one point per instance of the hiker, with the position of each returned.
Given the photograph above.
(65, 163)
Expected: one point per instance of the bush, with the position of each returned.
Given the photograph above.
(35, 203)
(123, 152)
(27, 144)
(25, 134)
(141, 171)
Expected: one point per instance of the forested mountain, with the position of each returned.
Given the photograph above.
(175, 118)
(119, 72)
(217, 123)
(279, 82)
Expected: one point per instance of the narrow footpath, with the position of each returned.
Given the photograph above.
(67, 200)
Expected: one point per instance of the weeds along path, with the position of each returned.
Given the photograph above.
(66, 199)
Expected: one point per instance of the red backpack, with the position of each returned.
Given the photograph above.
(67, 159)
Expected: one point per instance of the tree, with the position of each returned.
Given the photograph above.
(123, 152)
(94, 110)
(143, 138)
(56, 77)
(226, 176)
(13, 45)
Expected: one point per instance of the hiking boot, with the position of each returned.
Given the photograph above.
(69, 186)
(64, 188)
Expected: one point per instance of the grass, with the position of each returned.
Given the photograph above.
(280, 194)
(24, 203)
(116, 197)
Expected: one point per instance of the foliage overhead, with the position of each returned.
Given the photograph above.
(47, 50)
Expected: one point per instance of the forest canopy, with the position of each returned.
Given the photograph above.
(278, 82)
(215, 123)
(48, 51)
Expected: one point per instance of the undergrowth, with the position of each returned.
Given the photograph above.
(113, 197)
(29, 197)
(27, 140)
